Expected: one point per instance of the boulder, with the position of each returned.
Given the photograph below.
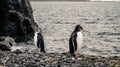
(6, 43)
(16, 20)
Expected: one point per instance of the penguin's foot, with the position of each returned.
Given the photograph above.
(43, 51)
(72, 54)
(77, 55)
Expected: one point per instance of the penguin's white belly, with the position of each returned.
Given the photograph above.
(35, 39)
(79, 41)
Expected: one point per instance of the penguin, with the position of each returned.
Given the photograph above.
(39, 41)
(75, 40)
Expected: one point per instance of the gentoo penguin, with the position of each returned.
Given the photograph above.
(75, 41)
(39, 41)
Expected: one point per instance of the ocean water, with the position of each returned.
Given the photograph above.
(101, 20)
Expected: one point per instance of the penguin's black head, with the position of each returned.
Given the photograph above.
(78, 28)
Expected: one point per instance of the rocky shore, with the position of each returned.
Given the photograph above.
(35, 59)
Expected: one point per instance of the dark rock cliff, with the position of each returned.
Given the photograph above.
(16, 19)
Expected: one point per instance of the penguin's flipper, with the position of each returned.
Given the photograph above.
(41, 43)
(71, 46)
(42, 46)
(73, 43)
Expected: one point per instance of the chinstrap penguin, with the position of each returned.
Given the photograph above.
(75, 41)
(39, 41)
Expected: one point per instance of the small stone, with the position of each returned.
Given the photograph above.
(73, 58)
(18, 52)
(79, 58)
(117, 65)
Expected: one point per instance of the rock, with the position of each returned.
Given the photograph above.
(93, 58)
(100, 64)
(6, 43)
(18, 52)
(16, 20)
(115, 58)
(117, 65)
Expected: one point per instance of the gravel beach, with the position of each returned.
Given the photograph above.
(35, 59)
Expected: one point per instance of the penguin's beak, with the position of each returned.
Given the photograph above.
(81, 28)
